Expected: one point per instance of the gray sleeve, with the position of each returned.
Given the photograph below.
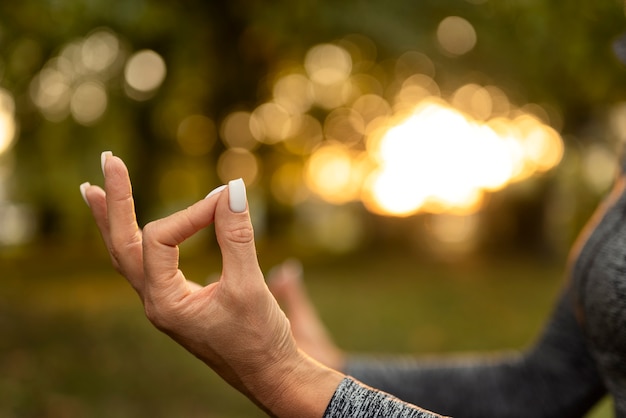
(556, 377)
(355, 400)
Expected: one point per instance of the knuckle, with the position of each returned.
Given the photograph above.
(120, 249)
(240, 232)
(149, 230)
(150, 233)
(116, 254)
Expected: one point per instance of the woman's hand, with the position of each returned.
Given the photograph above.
(234, 325)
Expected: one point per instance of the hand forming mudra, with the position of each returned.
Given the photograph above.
(234, 325)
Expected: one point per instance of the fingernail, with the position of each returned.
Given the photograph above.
(103, 158)
(237, 195)
(216, 191)
(83, 189)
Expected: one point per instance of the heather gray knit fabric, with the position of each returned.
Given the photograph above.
(355, 400)
(580, 355)
(599, 277)
(557, 377)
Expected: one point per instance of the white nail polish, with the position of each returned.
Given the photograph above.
(83, 189)
(215, 191)
(237, 195)
(103, 158)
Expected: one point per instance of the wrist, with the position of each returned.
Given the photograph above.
(296, 386)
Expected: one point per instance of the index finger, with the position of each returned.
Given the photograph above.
(124, 235)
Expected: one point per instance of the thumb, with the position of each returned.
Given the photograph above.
(235, 234)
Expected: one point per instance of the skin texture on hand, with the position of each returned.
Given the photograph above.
(234, 325)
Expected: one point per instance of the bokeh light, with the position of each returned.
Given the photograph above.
(328, 64)
(237, 163)
(599, 167)
(144, 72)
(294, 92)
(307, 137)
(332, 174)
(413, 62)
(51, 92)
(371, 107)
(413, 90)
(456, 35)
(271, 123)
(100, 51)
(347, 128)
(88, 102)
(438, 159)
(236, 133)
(196, 135)
(388, 137)
(74, 82)
(8, 124)
(18, 223)
(473, 100)
(344, 125)
(363, 51)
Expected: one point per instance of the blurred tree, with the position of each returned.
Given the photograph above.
(221, 56)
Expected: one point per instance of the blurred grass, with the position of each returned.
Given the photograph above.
(75, 342)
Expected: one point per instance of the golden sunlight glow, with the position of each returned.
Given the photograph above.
(371, 107)
(344, 125)
(271, 123)
(328, 68)
(387, 136)
(414, 89)
(473, 100)
(8, 125)
(328, 64)
(332, 174)
(294, 92)
(308, 135)
(330, 96)
(542, 144)
(388, 193)
(439, 160)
